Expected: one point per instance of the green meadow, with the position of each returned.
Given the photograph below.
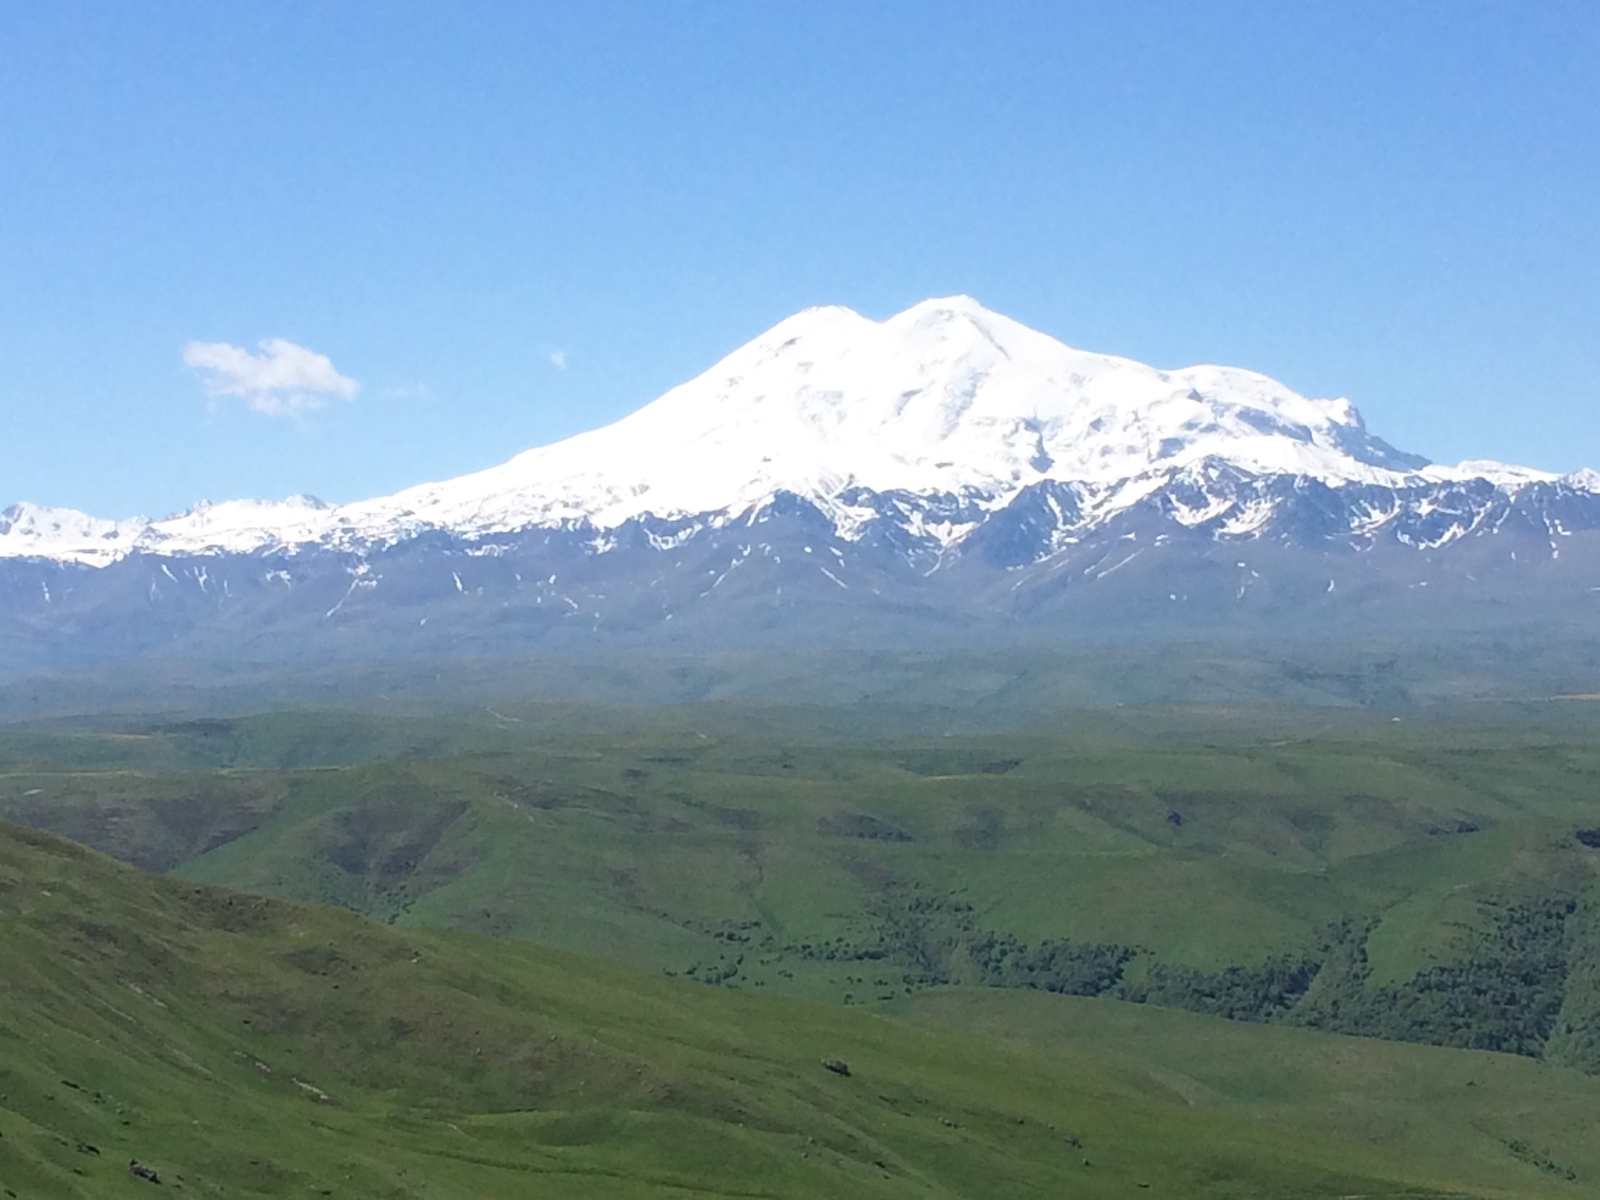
(676, 837)
(1024, 943)
(244, 1046)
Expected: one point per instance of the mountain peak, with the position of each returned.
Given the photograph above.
(944, 399)
(946, 307)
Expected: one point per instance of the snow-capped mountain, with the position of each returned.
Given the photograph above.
(946, 441)
(945, 399)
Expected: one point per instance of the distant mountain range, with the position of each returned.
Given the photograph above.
(945, 473)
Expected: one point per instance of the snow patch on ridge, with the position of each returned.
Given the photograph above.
(33, 531)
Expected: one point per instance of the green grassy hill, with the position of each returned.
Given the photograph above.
(766, 855)
(244, 1046)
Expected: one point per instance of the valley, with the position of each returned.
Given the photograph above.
(252, 1047)
(1059, 892)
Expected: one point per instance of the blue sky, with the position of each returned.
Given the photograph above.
(499, 224)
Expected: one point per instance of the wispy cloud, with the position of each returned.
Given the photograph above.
(284, 380)
(558, 358)
(405, 391)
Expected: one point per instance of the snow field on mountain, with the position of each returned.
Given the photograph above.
(944, 399)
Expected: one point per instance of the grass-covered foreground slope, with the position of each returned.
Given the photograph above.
(1477, 1110)
(243, 1046)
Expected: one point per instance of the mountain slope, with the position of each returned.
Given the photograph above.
(944, 474)
(248, 1047)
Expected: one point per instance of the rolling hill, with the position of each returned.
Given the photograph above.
(242, 1046)
(1332, 869)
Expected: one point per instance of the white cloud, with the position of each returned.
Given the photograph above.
(559, 358)
(283, 380)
